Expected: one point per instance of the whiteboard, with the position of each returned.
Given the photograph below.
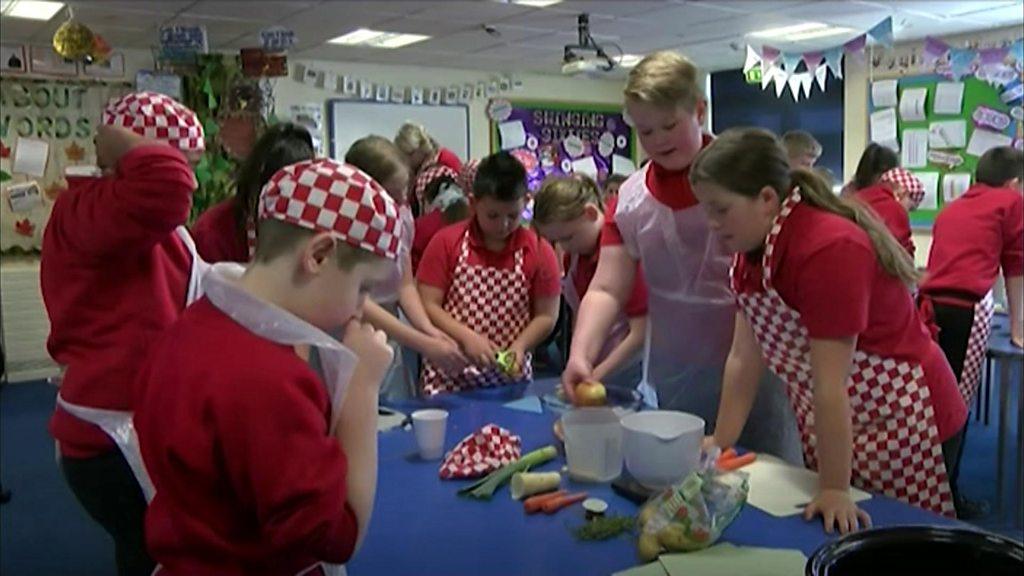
(349, 120)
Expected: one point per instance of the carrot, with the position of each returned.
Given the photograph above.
(727, 454)
(552, 506)
(737, 462)
(535, 504)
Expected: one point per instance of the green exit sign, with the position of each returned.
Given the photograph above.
(754, 75)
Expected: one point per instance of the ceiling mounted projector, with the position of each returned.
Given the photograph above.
(586, 56)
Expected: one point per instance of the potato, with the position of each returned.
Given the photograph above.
(646, 513)
(648, 547)
(673, 538)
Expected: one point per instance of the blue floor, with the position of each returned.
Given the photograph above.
(43, 531)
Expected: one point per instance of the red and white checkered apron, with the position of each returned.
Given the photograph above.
(250, 237)
(896, 446)
(977, 345)
(481, 453)
(491, 302)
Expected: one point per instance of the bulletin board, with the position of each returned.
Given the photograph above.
(976, 93)
(552, 138)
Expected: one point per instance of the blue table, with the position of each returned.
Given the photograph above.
(421, 527)
(1005, 355)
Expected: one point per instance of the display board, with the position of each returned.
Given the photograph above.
(350, 120)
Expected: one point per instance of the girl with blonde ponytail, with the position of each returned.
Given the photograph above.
(823, 303)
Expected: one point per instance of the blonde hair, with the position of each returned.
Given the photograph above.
(412, 138)
(799, 142)
(378, 157)
(564, 198)
(277, 238)
(745, 160)
(664, 79)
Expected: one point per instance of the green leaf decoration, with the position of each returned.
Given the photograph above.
(4, 176)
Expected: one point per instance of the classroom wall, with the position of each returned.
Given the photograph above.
(858, 77)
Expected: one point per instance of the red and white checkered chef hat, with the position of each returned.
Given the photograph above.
(157, 116)
(908, 182)
(481, 453)
(467, 176)
(324, 195)
(428, 175)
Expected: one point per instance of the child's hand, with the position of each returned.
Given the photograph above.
(479, 350)
(371, 346)
(576, 370)
(446, 355)
(438, 334)
(520, 360)
(113, 142)
(836, 508)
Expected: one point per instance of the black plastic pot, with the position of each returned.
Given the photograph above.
(918, 551)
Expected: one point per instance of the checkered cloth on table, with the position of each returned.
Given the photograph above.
(481, 453)
(159, 117)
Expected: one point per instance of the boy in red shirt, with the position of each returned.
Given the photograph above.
(118, 267)
(975, 236)
(258, 428)
(490, 283)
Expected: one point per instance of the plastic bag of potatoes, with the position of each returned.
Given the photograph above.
(692, 514)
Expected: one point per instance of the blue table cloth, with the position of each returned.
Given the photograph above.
(421, 527)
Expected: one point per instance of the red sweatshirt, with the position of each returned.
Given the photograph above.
(217, 237)
(114, 274)
(234, 432)
(889, 210)
(975, 236)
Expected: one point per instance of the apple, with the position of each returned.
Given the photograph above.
(591, 393)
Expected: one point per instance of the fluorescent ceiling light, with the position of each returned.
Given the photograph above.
(377, 39)
(31, 9)
(536, 3)
(630, 60)
(809, 35)
(786, 31)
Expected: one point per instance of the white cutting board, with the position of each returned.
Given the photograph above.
(783, 490)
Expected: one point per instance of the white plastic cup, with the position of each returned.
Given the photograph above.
(430, 427)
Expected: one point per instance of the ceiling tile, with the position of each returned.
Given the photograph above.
(462, 42)
(605, 8)
(430, 27)
(478, 12)
(262, 11)
(19, 29)
(129, 7)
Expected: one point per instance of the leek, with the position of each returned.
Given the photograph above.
(485, 487)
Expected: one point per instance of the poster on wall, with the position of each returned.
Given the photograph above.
(310, 117)
(559, 138)
(47, 130)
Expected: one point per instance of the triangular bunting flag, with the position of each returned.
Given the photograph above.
(767, 77)
(961, 61)
(753, 59)
(834, 61)
(791, 62)
(780, 82)
(794, 86)
(769, 55)
(1017, 50)
(820, 73)
(812, 59)
(882, 33)
(806, 81)
(934, 50)
(856, 45)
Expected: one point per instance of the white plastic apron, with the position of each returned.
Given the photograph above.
(118, 423)
(691, 313)
(896, 445)
(617, 333)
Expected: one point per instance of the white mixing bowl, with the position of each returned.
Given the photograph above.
(661, 447)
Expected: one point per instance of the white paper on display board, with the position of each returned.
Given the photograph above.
(622, 165)
(585, 165)
(513, 134)
(914, 151)
(24, 197)
(954, 185)
(883, 128)
(949, 98)
(912, 104)
(930, 181)
(30, 156)
(984, 140)
(883, 93)
(947, 134)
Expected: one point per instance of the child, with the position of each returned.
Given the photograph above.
(118, 267)
(446, 203)
(874, 161)
(865, 378)
(382, 160)
(974, 236)
(568, 213)
(423, 153)
(489, 283)
(802, 149)
(658, 223)
(227, 231)
(611, 186)
(261, 464)
(882, 198)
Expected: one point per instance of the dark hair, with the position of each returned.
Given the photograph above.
(875, 161)
(456, 211)
(745, 160)
(500, 176)
(279, 146)
(1000, 165)
(614, 179)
